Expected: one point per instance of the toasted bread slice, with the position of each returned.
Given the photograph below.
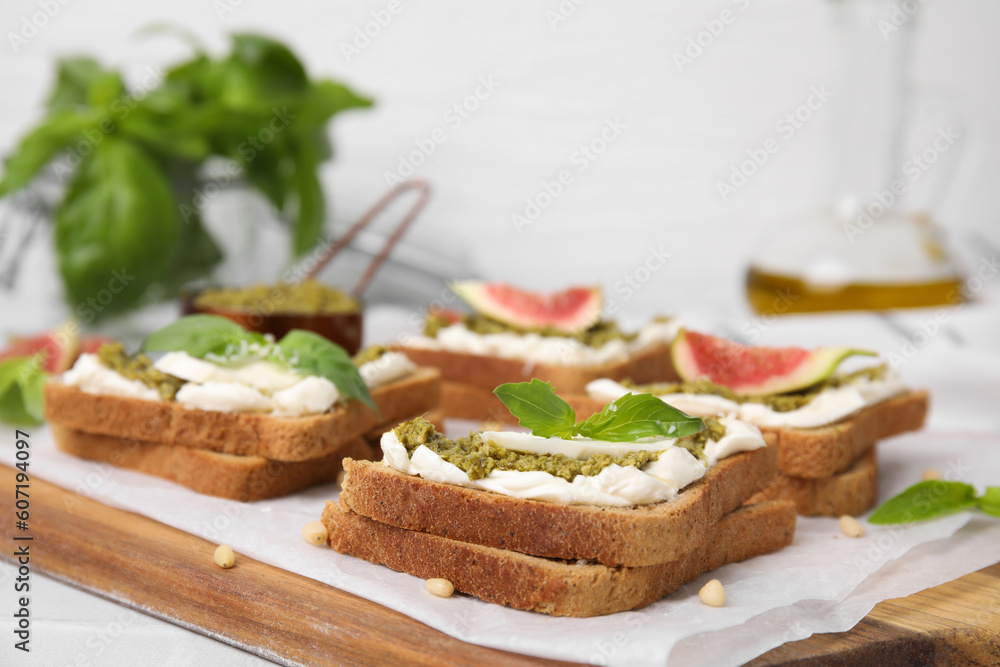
(817, 453)
(554, 586)
(278, 438)
(242, 478)
(854, 491)
(475, 376)
(634, 536)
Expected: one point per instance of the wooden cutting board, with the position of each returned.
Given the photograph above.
(290, 619)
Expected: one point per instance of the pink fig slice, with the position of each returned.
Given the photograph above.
(752, 370)
(570, 311)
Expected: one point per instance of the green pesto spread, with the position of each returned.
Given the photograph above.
(595, 336)
(139, 367)
(308, 297)
(786, 402)
(370, 353)
(478, 457)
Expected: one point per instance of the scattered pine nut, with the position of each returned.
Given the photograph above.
(224, 556)
(713, 594)
(440, 587)
(851, 526)
(315, 532)
(931, 473)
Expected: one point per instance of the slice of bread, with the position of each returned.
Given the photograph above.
(243, 478)
(476, 376)
(817, 453)
(853, 492)
(553, 586)
(634, 536)
(245, 434)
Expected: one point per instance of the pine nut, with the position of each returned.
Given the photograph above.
(315, 532)
(851, 526)
(224, 556)
(931, 473)
(440, 587)
(713, 594)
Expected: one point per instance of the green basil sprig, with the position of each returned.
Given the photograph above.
(630, 418)
(132, 158)
(21, 382)
(303, 351)
(312, 354)
(934, 498)
(200, 335)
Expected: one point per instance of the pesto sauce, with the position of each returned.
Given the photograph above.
(595, 336)
(478, 457)
(308, 297)
(370, 353)
(139, 367)
(786, 402)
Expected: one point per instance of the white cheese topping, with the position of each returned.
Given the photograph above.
(616, 485)
(222, 397)
(93, 377)
(255, 385)
(538, 349)
(387, 368)
(829, 406)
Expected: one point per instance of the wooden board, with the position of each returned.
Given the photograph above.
(290, 619)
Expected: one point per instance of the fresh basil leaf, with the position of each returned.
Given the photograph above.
(105, 90)
(635, 416)
(116, 230)
(312, 354)
(325, 98)
(41, 145)
(74, 79)
(538, 408)
(926, 500)
(21, 383)
(197, 253)
(199, 335)
(308, 224)
(990, 501)
(260, 70)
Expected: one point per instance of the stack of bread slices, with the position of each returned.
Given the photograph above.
(559, 559)
(239, 455)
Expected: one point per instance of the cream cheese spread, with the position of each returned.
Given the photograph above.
(828, 406)
(255, 385)
(93, 377)
(619, 486)
(552, 350)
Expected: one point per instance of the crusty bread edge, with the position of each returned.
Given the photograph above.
(243, 478)
(553, 586)
(279, 438)
(635, 536)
